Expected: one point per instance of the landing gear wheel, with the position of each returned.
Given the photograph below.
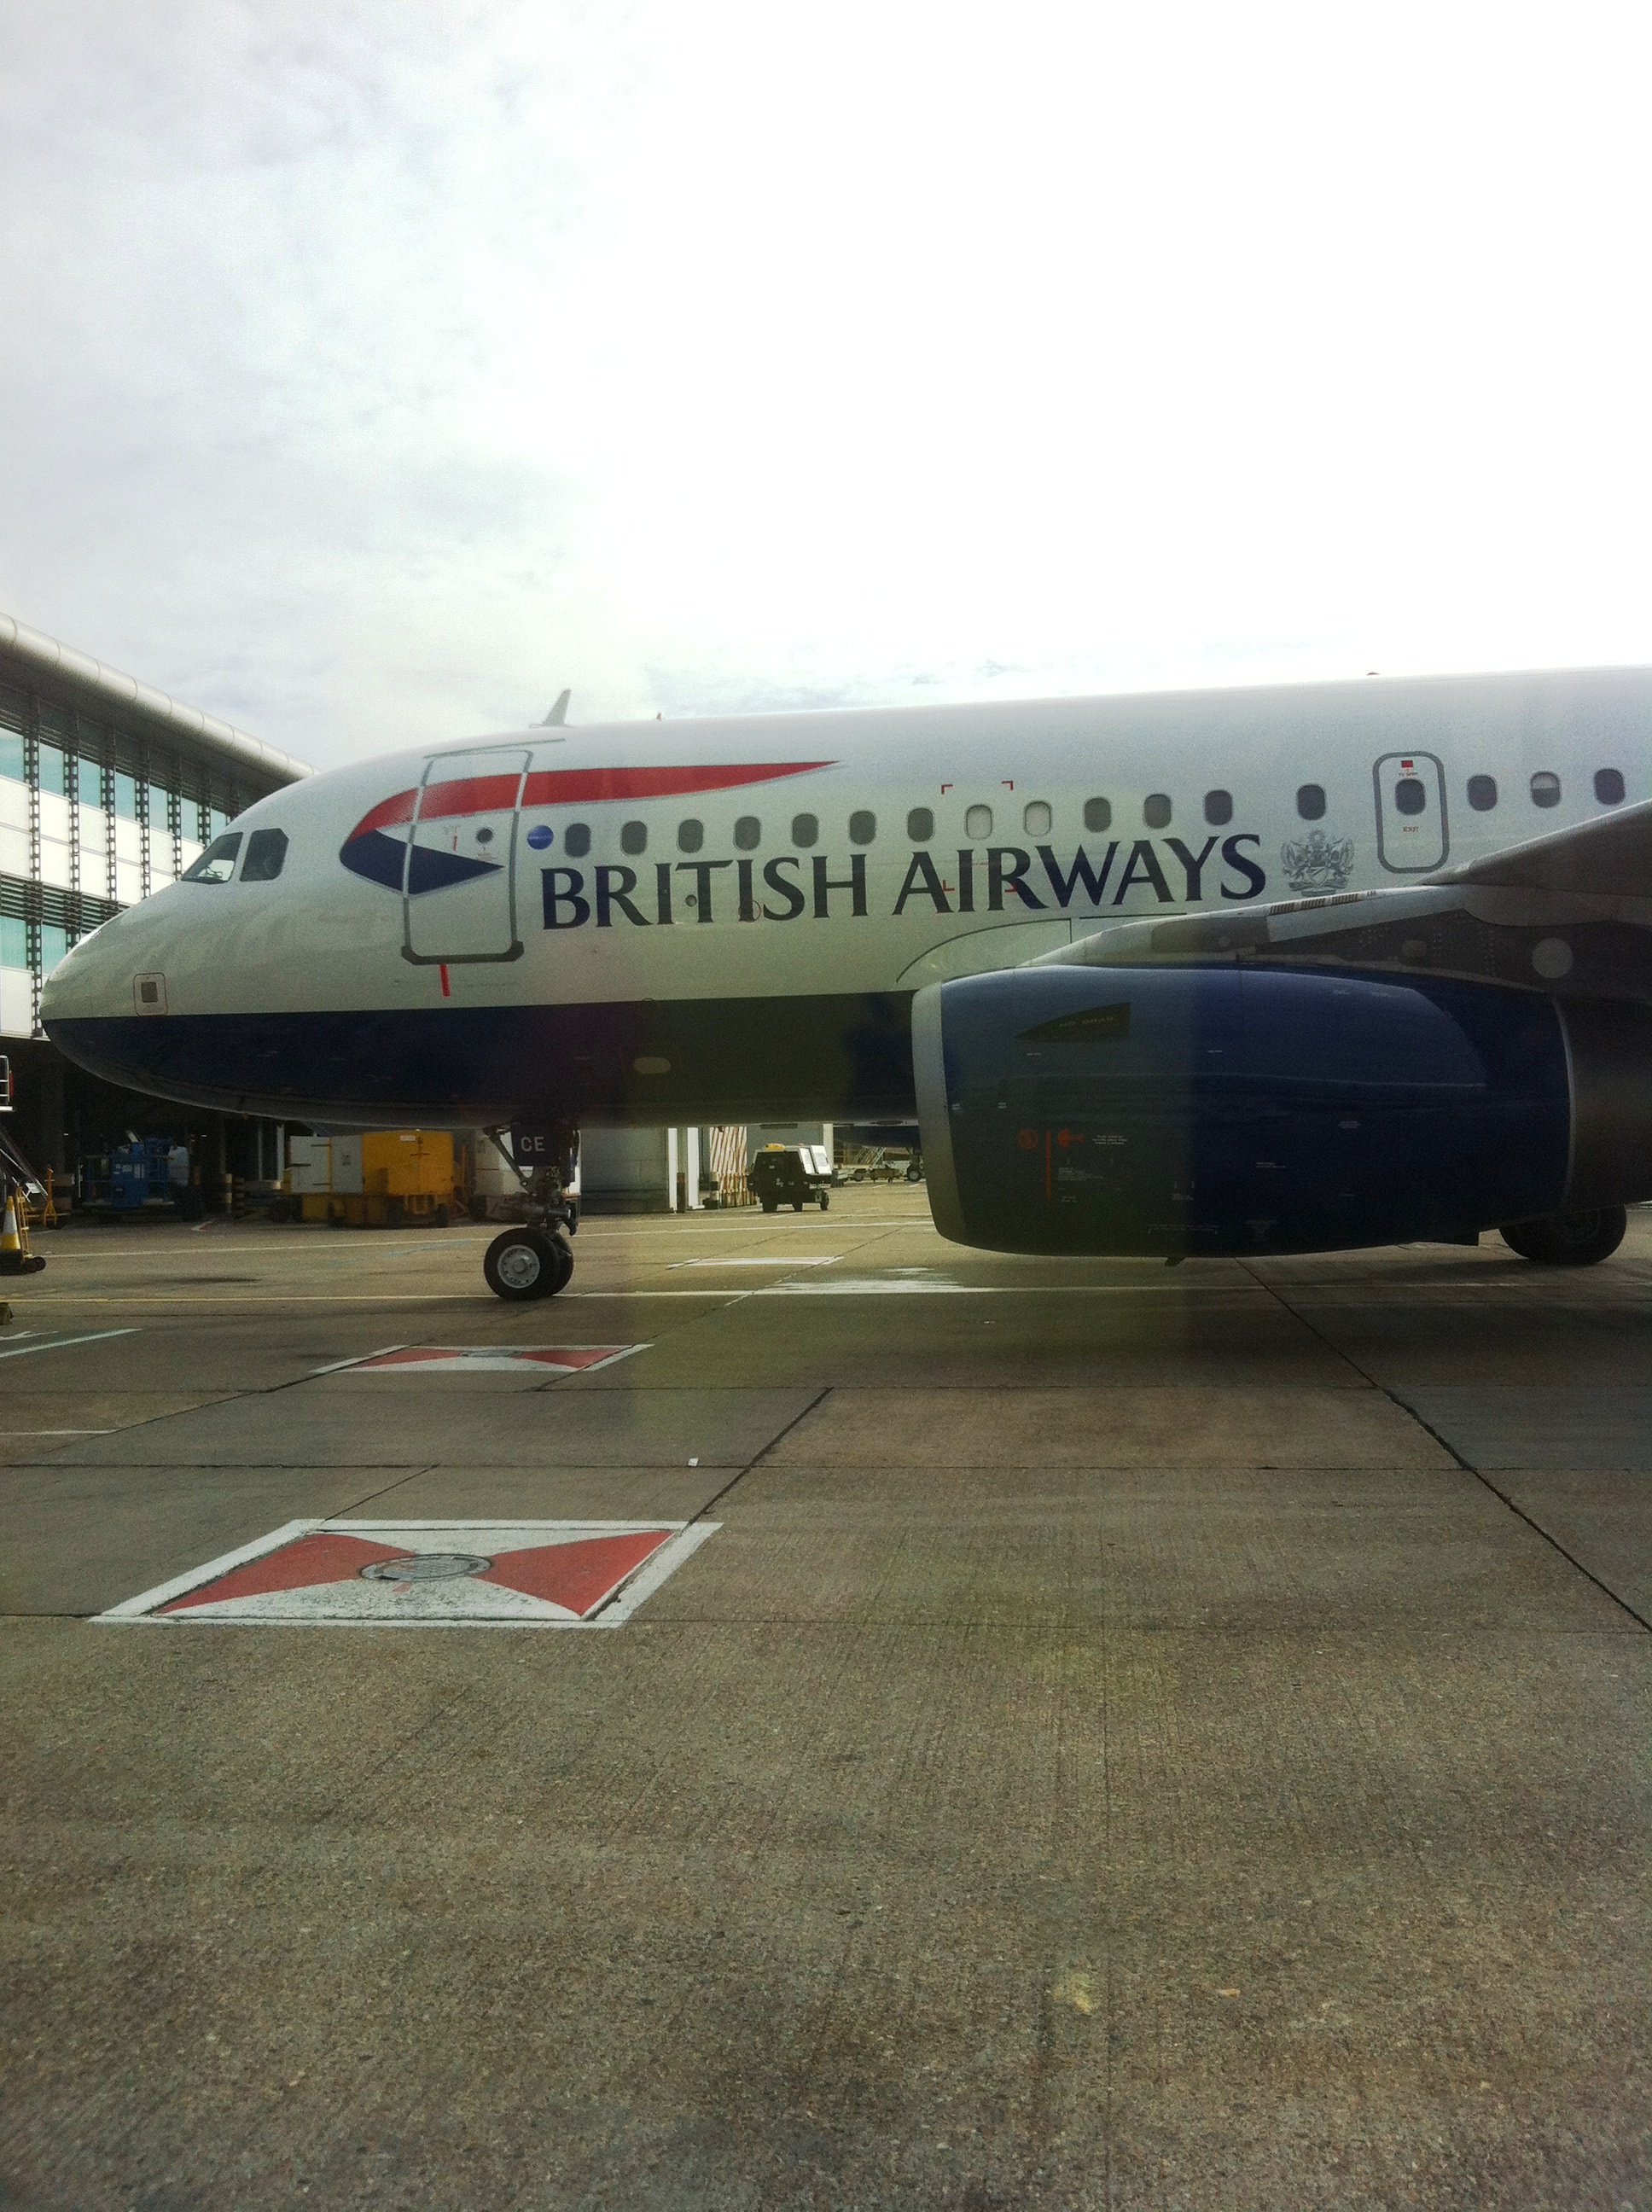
(525, 1263)
(1568, 1240)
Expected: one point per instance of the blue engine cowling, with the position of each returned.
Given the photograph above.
(1229, 1110)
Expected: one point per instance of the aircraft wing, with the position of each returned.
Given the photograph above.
(1611, 857)
(1569, 914)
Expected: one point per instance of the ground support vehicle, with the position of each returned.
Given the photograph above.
(791, 1175)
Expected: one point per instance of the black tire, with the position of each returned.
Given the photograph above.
(522, 1263)
(1568, 1240)
(771, 1206)
(478, 1207)
(825, 1197)
(440, 1218)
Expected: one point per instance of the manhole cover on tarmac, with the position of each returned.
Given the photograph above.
(429, 1574)
(547, 1359)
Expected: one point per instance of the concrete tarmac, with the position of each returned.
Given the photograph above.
(1137, 1737)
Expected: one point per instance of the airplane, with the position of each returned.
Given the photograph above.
(1239, 972)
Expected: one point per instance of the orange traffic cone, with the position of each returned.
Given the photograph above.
(16, 1258)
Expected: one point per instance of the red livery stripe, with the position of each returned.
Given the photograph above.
(570, 786)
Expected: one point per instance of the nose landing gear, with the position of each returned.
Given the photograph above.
(528, 1263)
(536, 1261)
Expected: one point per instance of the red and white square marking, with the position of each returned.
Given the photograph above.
(430, 1574)
(484, 1358)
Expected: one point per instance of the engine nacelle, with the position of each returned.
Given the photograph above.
(1232, 1110)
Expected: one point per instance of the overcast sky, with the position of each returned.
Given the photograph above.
(368, 373)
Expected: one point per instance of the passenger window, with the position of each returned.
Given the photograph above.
(217, 864)
(1310, 801)
(1098, 814)
(1219, 808)
(747, 831)
(805, 829)
(1155, 810)
(863, 827)
(1609, 785)
(691, 836)
(1482, 793)
(1409, 795)
(266, 850)
(576, 840)
(1546, 788)
(977, 822)
(1036, 820)
(921, 825)
(634, 837)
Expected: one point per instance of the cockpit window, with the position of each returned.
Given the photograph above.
(265, 851)
(217, 864)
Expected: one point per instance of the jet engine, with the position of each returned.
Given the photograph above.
(1221, 1110)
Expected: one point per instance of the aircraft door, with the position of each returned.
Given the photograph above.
(458, 882)
(1410, 813)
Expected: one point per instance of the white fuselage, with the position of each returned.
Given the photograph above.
(621, 884)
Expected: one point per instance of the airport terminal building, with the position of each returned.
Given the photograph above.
(109, 789)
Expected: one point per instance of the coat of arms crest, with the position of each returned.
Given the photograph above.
(1316, 865)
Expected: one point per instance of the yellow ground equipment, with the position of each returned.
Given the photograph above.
(381, 1179)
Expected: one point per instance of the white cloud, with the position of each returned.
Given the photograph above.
(373, 373)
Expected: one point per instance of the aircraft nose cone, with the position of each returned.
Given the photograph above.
(100, 1006)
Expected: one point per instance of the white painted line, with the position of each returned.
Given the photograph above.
(163, 1593)
(338, 1365)
(62, 1343)
(827, 1260)
(652, 1572)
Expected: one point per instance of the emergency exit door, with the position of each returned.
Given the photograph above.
(1410, 813)
(458, 884)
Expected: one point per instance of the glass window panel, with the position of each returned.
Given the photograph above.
(266, 850)
(863, 827)
(748, 830)
(11, 754)
(217, 864)
(1155, 810)
(1310, 801)
(14, 942)
(1036, 818)
(1409, 795)
(161, 809)
(1219, 808)
(691, 836)
(54, 946)
(217, 822)
(1609, 785)
(1482, 793)
(805, 828)
(576, 840)
(634, 837)
(126, 797)
(1546, 788)
(54, 770)
(921, 825)
(977, 822)
(1098, 814)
